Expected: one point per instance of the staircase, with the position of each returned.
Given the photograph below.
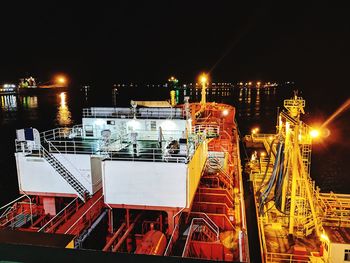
(201, 229)
(83, 193)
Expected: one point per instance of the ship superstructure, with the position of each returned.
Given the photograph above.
(297, 223)
(166, 178)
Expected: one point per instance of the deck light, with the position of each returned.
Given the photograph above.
(203, 78)
(225, 112)
(314, 133)
(61, 79)
(324, 238)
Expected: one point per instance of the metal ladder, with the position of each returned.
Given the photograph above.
(83, 193)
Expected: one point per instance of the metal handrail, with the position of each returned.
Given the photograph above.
(47, 153)
(184, 253)
(17, 215)
(128, 113)
(177, 227)
(66, 159)
(14, 201)
(60, 212)
(83, 214)
(287, 258)
(6, 212)
(171, 242)
(192, 229)
(214, 226)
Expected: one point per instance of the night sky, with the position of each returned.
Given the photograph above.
(146, 41)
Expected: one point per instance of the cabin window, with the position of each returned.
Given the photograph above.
(347, 255)
(89, 131)
(110, 122)
(153, 125)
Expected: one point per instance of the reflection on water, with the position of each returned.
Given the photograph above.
(29, 102)
(8, 102)
(64, 116)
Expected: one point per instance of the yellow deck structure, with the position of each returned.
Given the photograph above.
(291, 211)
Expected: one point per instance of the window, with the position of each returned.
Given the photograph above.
(89, 132)
(153, 125)
(110, 122)
(347, 255)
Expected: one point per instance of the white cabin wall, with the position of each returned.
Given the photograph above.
(144, 183)
(337, 252)
(96, 172)
(37, 175)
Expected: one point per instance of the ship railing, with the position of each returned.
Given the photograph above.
(76, 227)
(208, 221)
(336, 208)
(196, 225)
(124, 152)
(147, 154)
(173, 238)
(262, 136)
(59, 133)
(64, 213)
(128, 113)
(289, 258)
(209, 129)
(26, 147)
(76, 132)
(154, 135)
(18, 211)
(176, 232)
(73, 147)
(11, 203)
(10, 206)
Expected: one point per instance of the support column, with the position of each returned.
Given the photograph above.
(49, 205)
(171, 223)
(110, 221)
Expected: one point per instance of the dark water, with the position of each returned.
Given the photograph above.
(255, 107)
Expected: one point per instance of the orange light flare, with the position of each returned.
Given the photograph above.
(318, 133)
(255, 130)
(61, 80)
(225, 112)
(203, 78)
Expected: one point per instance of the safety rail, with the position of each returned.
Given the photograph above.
(208, 221)
(67, 210)
(176, 232)
(75, 227)
(73, 147)
(127, 153)
(12, 202)
(59, 133)
(336, 208)
(23, 210)
(76, 132)
(83, 193)
(173, 238)
(148, 154)
(209, 129)
(128, 113)
(262, 136)
(148, 135)
(290, 258)
(9, 207)
(194, 226)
